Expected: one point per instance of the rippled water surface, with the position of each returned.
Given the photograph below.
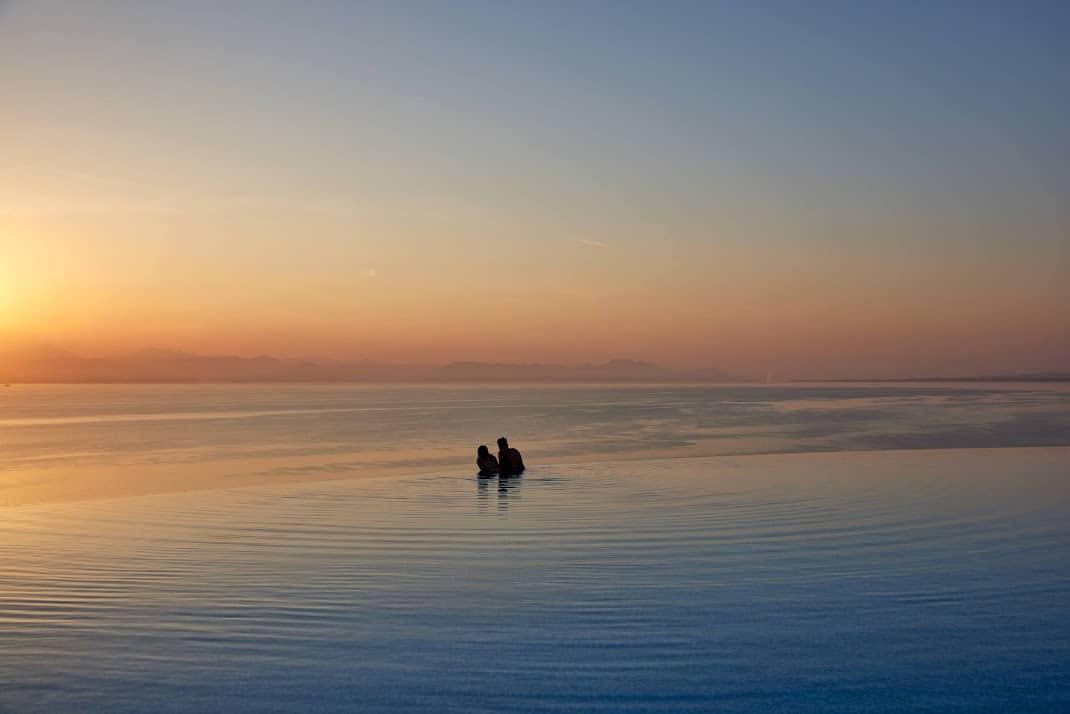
(882, 580)
(934, 581)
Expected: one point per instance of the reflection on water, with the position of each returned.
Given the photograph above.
(891, 581)
(483, 486)
(505, 488)
(508, 489)
(76, 442)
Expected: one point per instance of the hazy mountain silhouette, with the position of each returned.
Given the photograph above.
(46, 363)
(41, 362)
(36, 362)
(618, 369)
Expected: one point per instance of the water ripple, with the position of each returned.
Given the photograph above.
(927, 580)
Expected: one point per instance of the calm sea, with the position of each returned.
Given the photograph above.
(815, 548)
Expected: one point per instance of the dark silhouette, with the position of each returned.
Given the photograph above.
(510, 462)
(488, 465)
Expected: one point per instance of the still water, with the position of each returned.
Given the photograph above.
(75, 442)
(927, 579)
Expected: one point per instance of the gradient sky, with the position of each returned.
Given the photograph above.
(810, 189)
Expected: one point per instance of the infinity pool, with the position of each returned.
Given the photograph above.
(883, 581)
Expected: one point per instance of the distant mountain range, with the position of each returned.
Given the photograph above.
(46, 363)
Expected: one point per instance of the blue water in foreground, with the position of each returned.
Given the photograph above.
(933, 581)
(922, 580)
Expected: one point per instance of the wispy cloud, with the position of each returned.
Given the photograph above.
(592, 243)
(369, 273)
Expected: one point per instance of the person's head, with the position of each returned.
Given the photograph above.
(483, 450)
(503, 443)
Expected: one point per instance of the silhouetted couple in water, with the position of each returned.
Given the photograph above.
(508, 463)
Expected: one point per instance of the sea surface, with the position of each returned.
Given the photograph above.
(740, 548)
(75, 442)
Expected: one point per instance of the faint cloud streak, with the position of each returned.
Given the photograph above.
(592, 243)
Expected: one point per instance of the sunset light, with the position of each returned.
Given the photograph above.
(536, 356)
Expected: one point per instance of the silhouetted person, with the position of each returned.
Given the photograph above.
(509, 460)
(488, 465)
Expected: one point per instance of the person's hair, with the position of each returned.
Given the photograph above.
(503, 442)
(483, 450)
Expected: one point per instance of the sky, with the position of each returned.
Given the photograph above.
(826, 189)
